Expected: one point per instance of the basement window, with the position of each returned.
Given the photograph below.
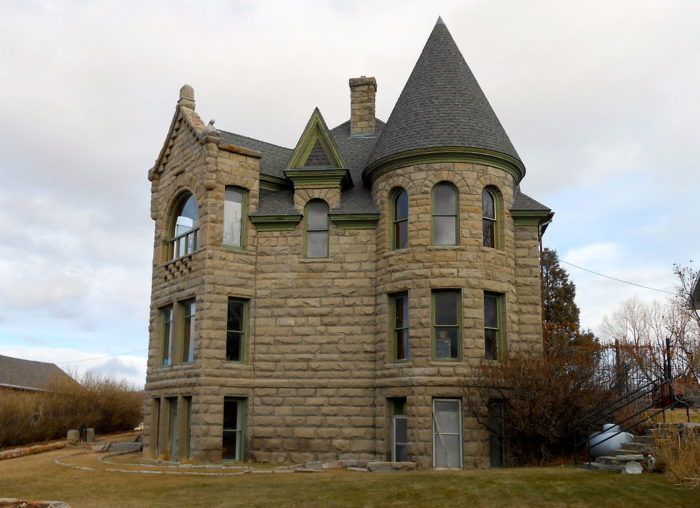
(233, 439)
(447, 433)
(399, 430)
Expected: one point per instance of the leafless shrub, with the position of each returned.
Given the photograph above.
(545, 397)
(104, 404)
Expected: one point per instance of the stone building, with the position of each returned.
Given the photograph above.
(331, 300)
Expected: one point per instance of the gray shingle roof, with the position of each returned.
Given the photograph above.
(27, 374)
(274, 157)
(355, 151)
(524, 202)
(276, 203)
(442, 105)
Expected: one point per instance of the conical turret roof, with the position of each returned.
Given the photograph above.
(442, 105)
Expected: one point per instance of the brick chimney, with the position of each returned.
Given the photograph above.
(362, 108)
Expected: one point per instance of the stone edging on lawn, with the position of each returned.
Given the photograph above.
(192, 469)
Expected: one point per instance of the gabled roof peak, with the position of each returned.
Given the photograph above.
(442, 105)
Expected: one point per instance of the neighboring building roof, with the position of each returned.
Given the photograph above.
(442, 105)
(27, 374)
(274, 157)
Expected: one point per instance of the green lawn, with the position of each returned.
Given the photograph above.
(38, 476)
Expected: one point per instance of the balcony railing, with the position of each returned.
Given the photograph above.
(183, 245)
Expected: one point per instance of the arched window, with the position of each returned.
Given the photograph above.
(399, 237)
(489, 213)
(445, 214)
(316, 229)
(185, 226)
(234, 217)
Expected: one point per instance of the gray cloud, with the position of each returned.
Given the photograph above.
(590, 93)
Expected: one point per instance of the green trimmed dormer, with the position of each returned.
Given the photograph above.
(316, 162)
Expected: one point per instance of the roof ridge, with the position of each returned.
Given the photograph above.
(255, 139)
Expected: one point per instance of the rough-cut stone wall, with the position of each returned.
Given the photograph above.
(469, 267)
(208, 276)
(313, 355)
(362, 106)
(319, 369)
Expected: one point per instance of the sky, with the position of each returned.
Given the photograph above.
(600, 99)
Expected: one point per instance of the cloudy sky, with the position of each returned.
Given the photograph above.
(600, 98)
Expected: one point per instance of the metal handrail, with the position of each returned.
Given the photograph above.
(606, 412)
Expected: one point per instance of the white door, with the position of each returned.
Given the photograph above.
(447, 433)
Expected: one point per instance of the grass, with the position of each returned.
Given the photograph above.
(38, 477)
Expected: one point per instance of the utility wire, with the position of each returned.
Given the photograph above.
(103, 357)
(616, 279)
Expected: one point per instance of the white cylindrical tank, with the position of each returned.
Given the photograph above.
(600, 444)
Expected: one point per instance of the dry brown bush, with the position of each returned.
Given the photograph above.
(680, 452)
(98, 402)
(545, 397)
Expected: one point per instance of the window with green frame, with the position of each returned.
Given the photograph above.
(188, 310)
(489, 217)
(233, 432)
(235, 203)
(236, 329)
(166, 341)
(494, 333)
(445, 208)
(399, 236)
(316, 229)
(399, 326)
(447, 324)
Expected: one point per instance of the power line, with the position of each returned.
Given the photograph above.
(104, 357)
(616, 279)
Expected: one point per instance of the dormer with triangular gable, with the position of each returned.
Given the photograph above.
(316, 167)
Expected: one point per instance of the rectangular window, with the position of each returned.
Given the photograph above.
(493, 325)
(399, 326)
(155, 433)
(166, 316)
(234, 206)
(447, 329)
(497, 432)
(236, 329)
(188, 319)
(399, 430)
(447, 433)
(172, 428)
(233, 431)
(188, 429)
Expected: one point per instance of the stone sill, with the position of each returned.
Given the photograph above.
(238, 250)
(316, 260)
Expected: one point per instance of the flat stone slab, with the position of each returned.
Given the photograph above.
(376, 466)
(125, 447)
(632, 467)
(359, 469)
(629, 458)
